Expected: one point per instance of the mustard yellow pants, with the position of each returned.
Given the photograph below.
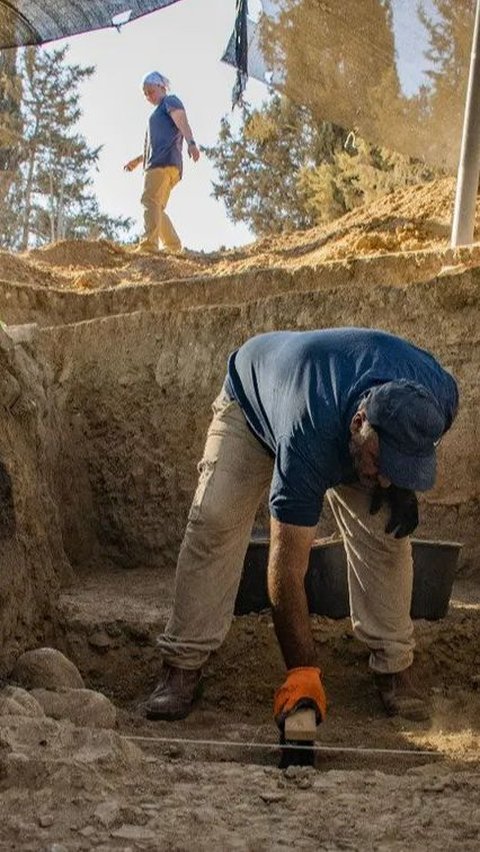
(235, 472)
(157, 186)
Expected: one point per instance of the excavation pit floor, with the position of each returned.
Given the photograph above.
(109, 623)
(79, 788)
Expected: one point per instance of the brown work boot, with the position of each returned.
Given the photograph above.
(401, 697)
(175, 693)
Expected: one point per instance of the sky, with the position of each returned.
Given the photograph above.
(185, 42)
(411, 43)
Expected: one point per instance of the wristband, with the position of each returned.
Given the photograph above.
(191, 142)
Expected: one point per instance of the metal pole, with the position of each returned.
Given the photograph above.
(469, 164)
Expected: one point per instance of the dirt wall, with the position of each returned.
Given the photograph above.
(33, 562)
(47, 305)
(140, 388)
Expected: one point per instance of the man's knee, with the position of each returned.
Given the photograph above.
(213, 518)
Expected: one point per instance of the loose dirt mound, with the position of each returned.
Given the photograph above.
(412, 219)
(20, 270)
(88, 253)
(135, 269)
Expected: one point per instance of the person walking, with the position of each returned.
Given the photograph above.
(356, 415)
(162, 162)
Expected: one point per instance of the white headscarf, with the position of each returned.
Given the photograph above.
(154, 78)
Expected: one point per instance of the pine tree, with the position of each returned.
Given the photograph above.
(53, 176)
(259, 167)
(11, 130)
(283, 170)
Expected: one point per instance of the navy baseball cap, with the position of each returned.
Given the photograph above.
(409, 423)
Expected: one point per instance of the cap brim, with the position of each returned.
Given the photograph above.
(417, 473)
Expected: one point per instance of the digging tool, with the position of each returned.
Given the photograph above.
(299, 733)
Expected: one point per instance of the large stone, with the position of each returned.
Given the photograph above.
(15, 701)
(107, 812)
(46, 668)
(83, 707)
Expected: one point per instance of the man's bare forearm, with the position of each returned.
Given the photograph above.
(132, 164)
(288, 562)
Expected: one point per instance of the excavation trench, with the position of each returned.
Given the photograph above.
(108, 623)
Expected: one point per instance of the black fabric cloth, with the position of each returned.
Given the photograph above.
(25, 22)
(240, 43)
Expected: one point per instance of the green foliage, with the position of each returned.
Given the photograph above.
(49, 195)
(281, 170)
(258, 167)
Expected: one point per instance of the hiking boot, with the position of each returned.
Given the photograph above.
(175, 693)
(400, 696)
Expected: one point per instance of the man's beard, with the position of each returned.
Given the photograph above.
(355, 455)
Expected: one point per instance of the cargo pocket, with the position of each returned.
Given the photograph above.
(206, 470)
(222, 403)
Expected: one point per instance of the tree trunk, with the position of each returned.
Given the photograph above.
(28, 199)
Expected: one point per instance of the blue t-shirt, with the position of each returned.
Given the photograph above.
(299, 391)
(163, 140)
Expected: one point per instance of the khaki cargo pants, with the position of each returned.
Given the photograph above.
(235, 472)
(157, 186)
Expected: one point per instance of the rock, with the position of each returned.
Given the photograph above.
(107, 812)
(46, 820)
(271, 798)
(134, 832)
(15, 701)
(83, 707)
(100, 641)
(88, 831)
(291, 772)
(436, 786)
(22, 333)
(46, 668)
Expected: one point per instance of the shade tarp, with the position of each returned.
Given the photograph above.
(393, 71)
(25, 22)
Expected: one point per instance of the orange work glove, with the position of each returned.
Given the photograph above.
(302, 688)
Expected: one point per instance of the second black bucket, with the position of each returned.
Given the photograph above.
(326, 585)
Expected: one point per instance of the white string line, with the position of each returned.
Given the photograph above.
(276, 746)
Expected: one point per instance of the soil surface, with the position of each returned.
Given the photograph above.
(212, 781)
(377, 784)
(413, 219)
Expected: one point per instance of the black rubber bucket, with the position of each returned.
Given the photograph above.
(434, 568)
